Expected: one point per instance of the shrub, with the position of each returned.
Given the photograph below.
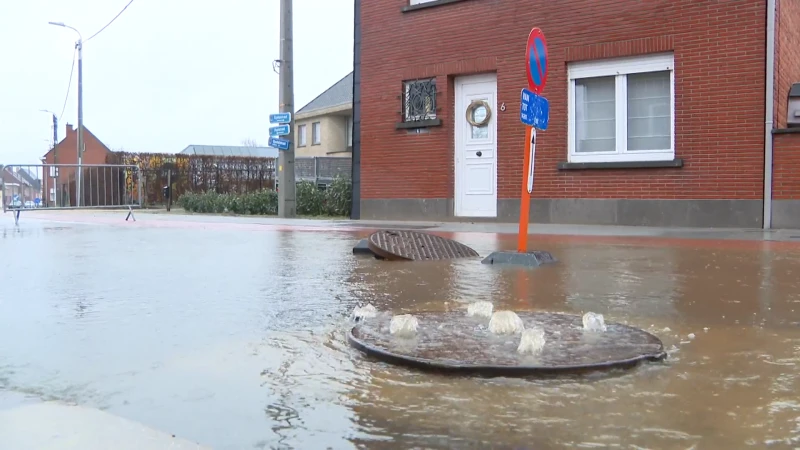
(311, 201)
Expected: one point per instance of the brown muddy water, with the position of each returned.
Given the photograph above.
(236, 339)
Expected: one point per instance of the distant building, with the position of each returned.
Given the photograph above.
(324, 127)
(15, 186)
(230, 150)
(60, 184)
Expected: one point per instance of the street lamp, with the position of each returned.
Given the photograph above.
(55, 126)
(79, 47)
(51, 176)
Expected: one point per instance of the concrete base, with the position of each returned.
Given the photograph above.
(653, 213)
(786, 214)
(362, 248)
(54, 425)
(534, 258)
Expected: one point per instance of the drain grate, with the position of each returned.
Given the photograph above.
(414, 246)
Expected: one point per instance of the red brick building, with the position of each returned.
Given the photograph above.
(60, 186)
(658, 111)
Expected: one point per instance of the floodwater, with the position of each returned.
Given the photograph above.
(235, 338)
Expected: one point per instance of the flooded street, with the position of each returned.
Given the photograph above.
(236, 338)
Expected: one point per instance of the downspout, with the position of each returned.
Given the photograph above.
(769, 114)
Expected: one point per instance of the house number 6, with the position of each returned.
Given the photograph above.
(502, 106)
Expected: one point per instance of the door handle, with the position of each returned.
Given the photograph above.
(479, 153)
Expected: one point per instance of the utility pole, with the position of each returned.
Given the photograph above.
(286, 179)
(79, 48)
(78, 186)
(55, 133)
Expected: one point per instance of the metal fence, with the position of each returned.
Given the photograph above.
(322, 169)
(55, 187)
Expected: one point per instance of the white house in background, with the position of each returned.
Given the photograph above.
(324, 127)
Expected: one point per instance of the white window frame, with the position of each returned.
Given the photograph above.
(348, 130)
(301, 135)
(316, 133)
(417, 2)
(621, 67)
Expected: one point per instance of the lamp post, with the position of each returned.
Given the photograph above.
(79, 47)
(51, 176)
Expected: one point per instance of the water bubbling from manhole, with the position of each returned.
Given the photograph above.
(455, 342)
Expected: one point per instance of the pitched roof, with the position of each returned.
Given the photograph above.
(29, 177)
(85, 131)
(10, 177)
(231, 150)
(341, 93)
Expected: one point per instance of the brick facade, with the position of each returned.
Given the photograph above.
(719, 54)
(67, 153)
(786, 145)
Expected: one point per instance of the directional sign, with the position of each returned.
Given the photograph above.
(280, 144)
(281, 130)
(280, 118)
(534, 110)
(536, 61)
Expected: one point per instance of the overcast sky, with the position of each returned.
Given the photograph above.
(165, 74)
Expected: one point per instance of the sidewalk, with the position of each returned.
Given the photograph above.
(90, 216)
(32, 425)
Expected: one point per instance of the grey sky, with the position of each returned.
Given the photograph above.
(165, 74)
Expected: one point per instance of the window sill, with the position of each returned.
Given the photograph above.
(318, 143)
(677, 162)
(419, 124)
(434, 3)
(786, 130)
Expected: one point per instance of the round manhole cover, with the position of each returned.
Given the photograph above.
(416, 246)
(454, 342)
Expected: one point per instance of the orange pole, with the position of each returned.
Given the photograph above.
(525, 197)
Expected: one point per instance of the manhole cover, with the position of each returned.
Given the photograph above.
(415, 246)
(454, 342)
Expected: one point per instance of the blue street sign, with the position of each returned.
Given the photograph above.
(37, 200)
(534, 110)
(280, 144)
(280, 130)
(280, 118)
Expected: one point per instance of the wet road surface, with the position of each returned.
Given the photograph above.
(234, 337)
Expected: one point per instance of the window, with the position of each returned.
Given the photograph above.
(417, 2)
(315, 131)
(622, 110)
(348, 130)
(301, 136)
(419, 100)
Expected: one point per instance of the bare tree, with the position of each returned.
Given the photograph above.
(250, 143)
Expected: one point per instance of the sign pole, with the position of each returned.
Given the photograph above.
(286, 176)
(525, 195)
(535, 115)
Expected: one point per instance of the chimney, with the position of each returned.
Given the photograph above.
(70, 130)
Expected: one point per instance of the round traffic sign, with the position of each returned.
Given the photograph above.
(536, 61)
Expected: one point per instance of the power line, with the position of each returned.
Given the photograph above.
(69, 85)
(112, 21)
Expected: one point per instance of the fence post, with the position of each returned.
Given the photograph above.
(316, 171)
(2, 188)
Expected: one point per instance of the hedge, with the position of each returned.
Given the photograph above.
(310, 200)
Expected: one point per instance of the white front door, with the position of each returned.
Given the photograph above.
(476, 146)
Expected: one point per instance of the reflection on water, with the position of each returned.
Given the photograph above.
(236, 339)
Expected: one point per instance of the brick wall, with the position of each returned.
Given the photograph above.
(786, 175)
(787, 58)
(67, 153)
(786, 147)
(719, 63)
